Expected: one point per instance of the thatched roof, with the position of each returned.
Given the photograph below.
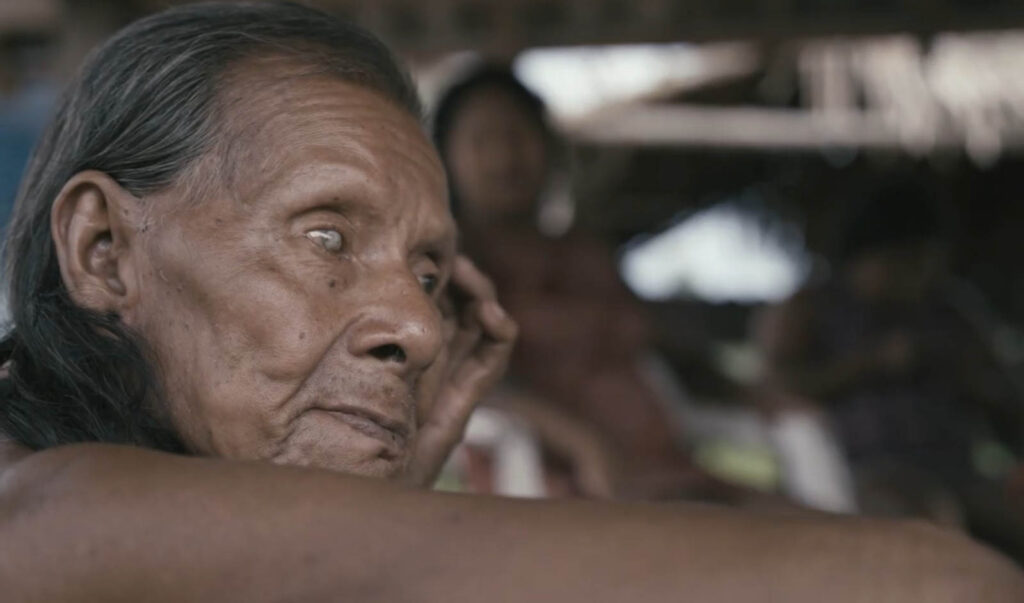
(961, 91)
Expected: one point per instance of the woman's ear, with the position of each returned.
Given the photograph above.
(93, 224)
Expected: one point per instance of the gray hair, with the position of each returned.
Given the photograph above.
(143, 109)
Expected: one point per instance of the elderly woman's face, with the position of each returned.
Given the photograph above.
(294, 316)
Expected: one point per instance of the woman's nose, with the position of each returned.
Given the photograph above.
(399, 326)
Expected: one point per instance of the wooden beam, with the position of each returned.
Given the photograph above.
(748, 128)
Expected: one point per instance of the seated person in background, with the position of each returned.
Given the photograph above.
(236, 297)
(905, 380)
(583, 336)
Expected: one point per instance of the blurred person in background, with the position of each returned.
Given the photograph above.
(583, 335)
(237, 350)
(907, 384)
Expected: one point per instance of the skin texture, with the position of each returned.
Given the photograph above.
(282, 346)
(203, 530)
(298, 317)
(95, 522)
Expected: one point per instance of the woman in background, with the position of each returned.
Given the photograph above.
(583, 336)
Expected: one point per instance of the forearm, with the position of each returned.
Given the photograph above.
(122, 524)
(98, 523)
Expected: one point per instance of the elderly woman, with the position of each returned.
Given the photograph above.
(233, 247)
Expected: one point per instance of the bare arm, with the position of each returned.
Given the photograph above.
(104, 523)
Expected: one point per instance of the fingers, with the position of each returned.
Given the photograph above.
(481, 366)
(468, 278)
(478, 355)
(483, 308)
(488, 332)
(497, 324)
(482, 317)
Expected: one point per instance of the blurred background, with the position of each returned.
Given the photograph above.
(763, 252)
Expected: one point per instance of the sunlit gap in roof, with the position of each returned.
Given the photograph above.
(576, 81)
(725, 253)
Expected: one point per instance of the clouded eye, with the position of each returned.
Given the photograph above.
(327, 238)
(429, 282)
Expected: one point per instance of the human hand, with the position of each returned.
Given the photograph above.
(480, 336)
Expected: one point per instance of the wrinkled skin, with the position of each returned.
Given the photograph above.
(251, 339)
(297, 318)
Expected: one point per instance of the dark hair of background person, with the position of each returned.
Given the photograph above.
(487, 76)
(143, 110)
(897, 211)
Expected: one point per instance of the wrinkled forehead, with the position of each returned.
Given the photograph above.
(274, 115)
